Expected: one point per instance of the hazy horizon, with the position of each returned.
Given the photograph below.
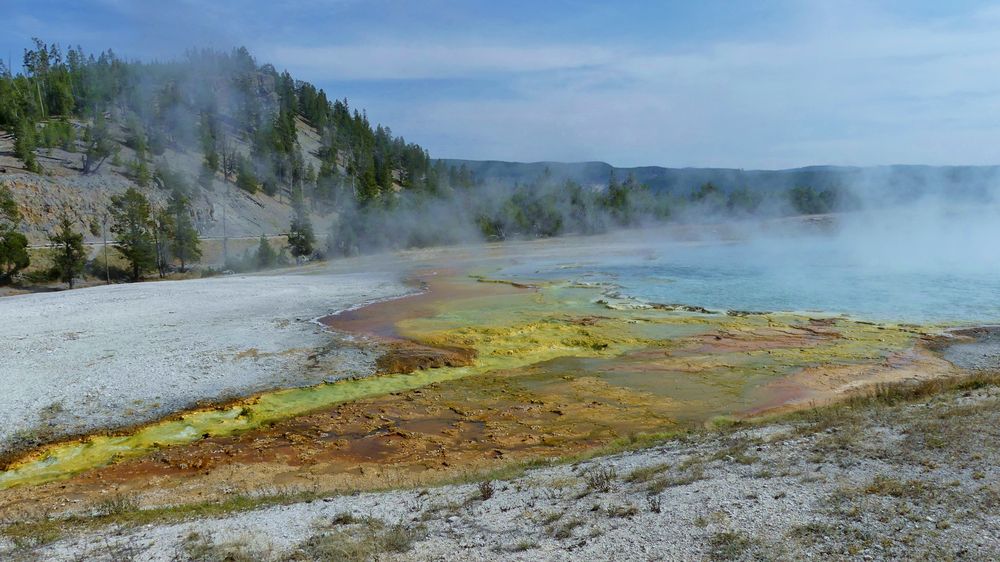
(725, 167)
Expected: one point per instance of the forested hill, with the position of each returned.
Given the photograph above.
(231, 142)
(902, 181)
(206, 102)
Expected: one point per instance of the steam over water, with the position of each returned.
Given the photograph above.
(886, 270)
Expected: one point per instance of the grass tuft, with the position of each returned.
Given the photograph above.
(600, 479)
(486, 489)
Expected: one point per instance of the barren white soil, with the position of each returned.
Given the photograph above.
(113, 356)
(910, 482)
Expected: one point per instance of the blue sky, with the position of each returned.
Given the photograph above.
(768, 84)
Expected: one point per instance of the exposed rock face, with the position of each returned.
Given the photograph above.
(63, 187)
(41, 199)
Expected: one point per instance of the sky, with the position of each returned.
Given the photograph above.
(767, 84)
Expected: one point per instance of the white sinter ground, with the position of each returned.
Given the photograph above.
(118, 355)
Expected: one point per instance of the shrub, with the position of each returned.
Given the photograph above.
(486, 489)
(600, 479)
(118, 504)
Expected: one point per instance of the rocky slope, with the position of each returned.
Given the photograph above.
(222, 210)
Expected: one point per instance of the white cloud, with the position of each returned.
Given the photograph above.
(869, 90)
(375, 59)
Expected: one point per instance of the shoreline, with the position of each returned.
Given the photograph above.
(389, 312)
(463, 411)
(15, 460)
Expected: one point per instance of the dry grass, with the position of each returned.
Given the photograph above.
(367, 540)
(883, 485)
(600, 479)
(647, 473)
(204, 548)
(123, 511)
(117, 505)
(624, 510)
(524, 545)
(690, 472)
(736, 451)
(728, 545)
(565, 529)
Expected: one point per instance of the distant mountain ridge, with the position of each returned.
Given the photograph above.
(899, 180)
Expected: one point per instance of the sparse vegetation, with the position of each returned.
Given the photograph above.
(117, 505)
(524, 545)
(735, 452)
(345, 518)
(623, 510)
(647, 473)
(883, 485)
(32, 534)
(728, 545)
(564, 530)
(203, 548)
(486, 489)
(690, 472)
(601, 478)
(367, 540)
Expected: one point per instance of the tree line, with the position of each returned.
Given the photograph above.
(242, 116)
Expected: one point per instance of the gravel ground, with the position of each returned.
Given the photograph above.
(983, 354)
(113, 356)
(882, 483)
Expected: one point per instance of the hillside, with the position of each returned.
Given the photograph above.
(896, 183)
(61, 185)
(236, 139)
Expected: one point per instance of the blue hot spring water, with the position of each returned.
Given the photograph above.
(812, 274)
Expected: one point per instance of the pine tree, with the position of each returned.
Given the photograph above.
(367, 191)
(245, 178)
(139, 171)
(184, 243)
(301, 238)
(162, 230)
(13, 244)
(70, 254)
(25, 142)
(98, 143)
(132, 227)
(266, 256)
(310, 177)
